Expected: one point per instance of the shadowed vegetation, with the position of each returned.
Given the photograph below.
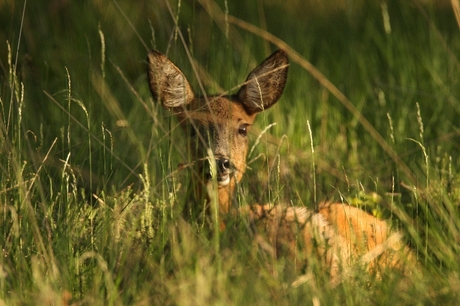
(93, 173)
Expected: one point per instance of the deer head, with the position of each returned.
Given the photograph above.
(217, 126)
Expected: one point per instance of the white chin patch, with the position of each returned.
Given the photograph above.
(223, 181)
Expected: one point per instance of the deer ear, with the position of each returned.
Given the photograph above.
(167, 83)
(265, 84)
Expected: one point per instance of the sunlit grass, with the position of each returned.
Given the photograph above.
(93, 172)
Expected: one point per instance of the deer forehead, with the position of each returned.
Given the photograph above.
(217, 112)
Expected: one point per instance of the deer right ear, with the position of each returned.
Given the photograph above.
(167, 83)
(265, 84)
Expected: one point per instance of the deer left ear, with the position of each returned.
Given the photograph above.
(265, 84)
(168, 84)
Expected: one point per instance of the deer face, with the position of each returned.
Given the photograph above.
(218, 126)
(218, 137)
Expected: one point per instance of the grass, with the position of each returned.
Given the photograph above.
(89, 179)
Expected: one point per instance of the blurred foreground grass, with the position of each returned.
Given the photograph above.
(89, 179)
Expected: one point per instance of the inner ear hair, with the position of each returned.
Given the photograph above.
(168, 84)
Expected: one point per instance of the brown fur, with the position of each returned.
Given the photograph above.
(338, 234)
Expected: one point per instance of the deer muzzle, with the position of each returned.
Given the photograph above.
(223, 170)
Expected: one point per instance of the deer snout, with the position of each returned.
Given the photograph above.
(223, 165)
(224, 169)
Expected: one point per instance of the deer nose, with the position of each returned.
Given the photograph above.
(223, 165)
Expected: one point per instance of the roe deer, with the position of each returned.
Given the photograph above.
(218, 127)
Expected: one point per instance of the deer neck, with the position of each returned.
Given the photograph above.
(205, 197)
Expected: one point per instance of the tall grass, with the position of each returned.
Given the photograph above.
(93, 172)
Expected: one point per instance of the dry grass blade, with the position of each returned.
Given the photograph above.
(456, 9)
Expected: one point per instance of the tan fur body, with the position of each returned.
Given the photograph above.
(338, 235)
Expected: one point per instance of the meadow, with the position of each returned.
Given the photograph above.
(93, 171)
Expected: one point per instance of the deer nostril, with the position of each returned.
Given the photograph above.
(223, 165)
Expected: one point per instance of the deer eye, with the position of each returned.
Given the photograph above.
(243, 129)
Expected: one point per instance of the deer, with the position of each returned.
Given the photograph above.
(217, 128)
